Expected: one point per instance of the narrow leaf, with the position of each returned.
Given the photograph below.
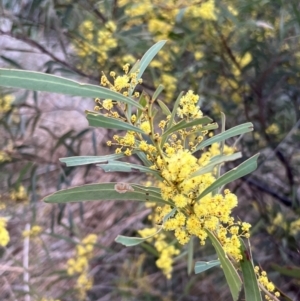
(190, 256)
(148, 57)
(210, 127)
(143, 158)
(133, 69)
(174, 111)
(215, 161)
(201, 266)
(146, 60)
(84, 160)
(23, 172)
(117, 166)
(290, 271)
(105, 192)
(128, 241)
(243, 169)
(252, 292)
(157, 92)
(143, 102)
(133, 241)
(164, 108)
(232, 277)
(38, 81)
(235, 131)
(99, 120)
(221, 145)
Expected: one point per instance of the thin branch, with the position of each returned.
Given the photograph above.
(47, 52)
(263, 187)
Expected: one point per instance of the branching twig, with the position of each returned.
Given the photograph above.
(47, 52)
(263, 187)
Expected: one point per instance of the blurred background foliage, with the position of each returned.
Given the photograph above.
(242, 57)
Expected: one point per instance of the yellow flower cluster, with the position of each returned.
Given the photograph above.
(4, 235)
(19, 194)
(268, 285)
(48, 299)
(119, 84)
(187, 110)
(280, 221)
(176, 164)
(215, 150)
(295, 227)
(79, 265)
(163, 64)
(4, 157)
(128, 142)
(241, 62)
(159, 28)
(160, 19)
(2, 204)
(165, 250)
(168, 81)
(136, 10)
(189, 106)
(34, 232)
(5, 103)
(206, 10)
(277, 222)
(212, 212)
(273, 129)
(95, 42)
(234, 84)
(7, 150)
